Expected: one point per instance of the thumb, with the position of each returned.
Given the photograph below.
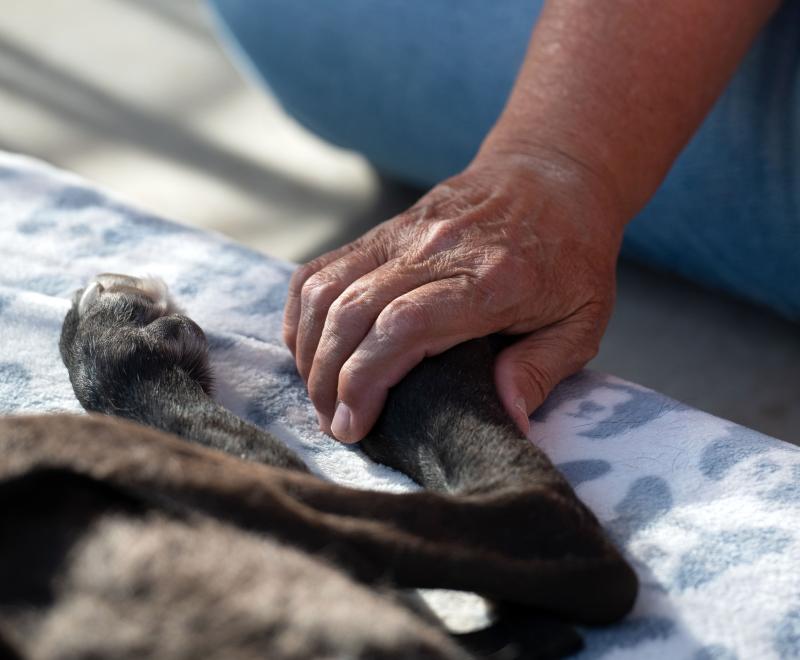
(529, 369)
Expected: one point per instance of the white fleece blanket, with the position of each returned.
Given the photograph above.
(707, 511)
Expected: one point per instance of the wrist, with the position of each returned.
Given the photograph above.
(577, 176)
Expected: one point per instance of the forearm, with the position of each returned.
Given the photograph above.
(620, 86)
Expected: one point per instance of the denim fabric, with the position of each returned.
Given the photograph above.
(416, 86)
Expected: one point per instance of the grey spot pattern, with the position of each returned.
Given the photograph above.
(37, 223)
(148, 225)
(14, 385)
(720, 455)
(218, 341)
(787, 636)
(126, 234)
(187, 288)
(274, 299)
(787, 492)
(717, 553)
(75, 198)
(49, 285)
(715, 652)
(647, 500)
(630, 633)
(641, 408)
(585, 410)
(764, 468)
(577, 387)
(79, 231)
(78, 198)
(578, 472)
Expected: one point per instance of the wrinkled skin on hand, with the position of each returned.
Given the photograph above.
(514, 244)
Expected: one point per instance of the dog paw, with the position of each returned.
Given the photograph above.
(122, 330)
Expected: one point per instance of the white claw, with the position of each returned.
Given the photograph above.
(90, 293)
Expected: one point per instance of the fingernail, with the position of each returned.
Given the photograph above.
(519, 404)
(340, 426)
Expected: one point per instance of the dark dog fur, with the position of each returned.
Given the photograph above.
(128, 542)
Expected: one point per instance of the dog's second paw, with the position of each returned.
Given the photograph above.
(122, 330)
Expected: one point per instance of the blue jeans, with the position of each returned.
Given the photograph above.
(415, 86)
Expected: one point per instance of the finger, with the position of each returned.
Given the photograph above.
(349, 319)
(317, 295)
(424, 322)
(291, 311)
(528, 370)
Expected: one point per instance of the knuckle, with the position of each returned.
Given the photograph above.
(319, 291)
(442, 235)
(402, 319)
(347, 307)
(430, 242)
(301, 275)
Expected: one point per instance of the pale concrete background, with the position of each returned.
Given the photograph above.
(138, 96)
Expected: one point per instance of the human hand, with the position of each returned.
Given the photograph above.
(519, 244)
